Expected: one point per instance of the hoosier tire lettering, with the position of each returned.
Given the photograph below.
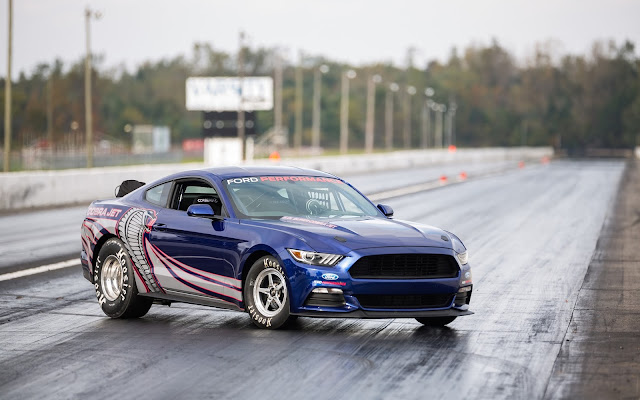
(115, 283)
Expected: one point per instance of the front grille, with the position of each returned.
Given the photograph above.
(400, 301)
(405, 266)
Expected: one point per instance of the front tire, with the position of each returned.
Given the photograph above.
(115, 283)
(266, 294)
(438, 321)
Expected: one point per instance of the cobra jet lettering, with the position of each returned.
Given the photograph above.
(103, 212)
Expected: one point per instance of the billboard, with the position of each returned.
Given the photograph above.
(229, 93)
(151, 139)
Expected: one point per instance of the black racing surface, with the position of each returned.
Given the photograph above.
(531, 235)
(600, 357)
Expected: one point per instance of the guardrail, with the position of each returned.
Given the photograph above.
(38, 189)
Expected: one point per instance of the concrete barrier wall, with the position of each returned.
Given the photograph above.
(33, 189)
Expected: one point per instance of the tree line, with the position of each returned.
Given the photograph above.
(567, 101)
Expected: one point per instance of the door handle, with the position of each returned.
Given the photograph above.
(159, 227)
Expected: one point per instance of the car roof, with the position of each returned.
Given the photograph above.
(248, 171)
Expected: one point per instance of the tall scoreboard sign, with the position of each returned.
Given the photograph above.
(221, 98)
(230, 94)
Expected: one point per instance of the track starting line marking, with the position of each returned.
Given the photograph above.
(39, 270)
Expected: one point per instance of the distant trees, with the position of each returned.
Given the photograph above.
(572, 101)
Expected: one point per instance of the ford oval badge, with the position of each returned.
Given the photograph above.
(330, 277)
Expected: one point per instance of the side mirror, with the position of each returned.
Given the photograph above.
(202, 211)
(386, 210)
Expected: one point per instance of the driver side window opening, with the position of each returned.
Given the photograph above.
(159, 194)
(195, 191)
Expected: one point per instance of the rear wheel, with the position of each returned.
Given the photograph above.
(115, 284)
(266, 294)
(437, 321)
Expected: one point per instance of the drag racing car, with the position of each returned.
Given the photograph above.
(274, 242)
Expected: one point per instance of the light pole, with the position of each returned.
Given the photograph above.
(317, 94)
(88, 118)
(240, 122)
(452, 109)
(277, 107)
(426, 117)
(439, 109)
(371, 107)
(344, 111)
(297, 136)
(388, 134)
(50, 111)
(449, 123)
(7, 96)
(408, 117)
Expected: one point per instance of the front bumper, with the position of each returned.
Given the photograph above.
(453, 312)
(352, 297)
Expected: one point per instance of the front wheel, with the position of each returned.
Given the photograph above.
(266, 294)
(437, 321)
(115, 283)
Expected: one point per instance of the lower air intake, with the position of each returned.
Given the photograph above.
(400, 301)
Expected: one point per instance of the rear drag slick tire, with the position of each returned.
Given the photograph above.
(115, 284)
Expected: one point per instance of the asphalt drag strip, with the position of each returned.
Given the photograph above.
(600, 357)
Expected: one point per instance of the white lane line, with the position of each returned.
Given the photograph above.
(39, 270)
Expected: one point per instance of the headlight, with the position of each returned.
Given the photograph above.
(463, 257)
(313, 258)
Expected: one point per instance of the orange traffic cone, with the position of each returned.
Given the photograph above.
(274, 156)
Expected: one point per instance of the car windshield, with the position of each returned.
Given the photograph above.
(272, 197)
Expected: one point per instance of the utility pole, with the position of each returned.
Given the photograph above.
(371, 107)
(344, 111)
(388, 134)
(240, 122)
(317, 94)
(88, 113)
(7, 96)
(297, 137)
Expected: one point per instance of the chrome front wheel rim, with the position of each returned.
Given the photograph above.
(270, 292)
(111, 278)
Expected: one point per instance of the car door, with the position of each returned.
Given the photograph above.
(197, 256)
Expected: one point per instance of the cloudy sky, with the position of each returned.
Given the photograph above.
(133, 31)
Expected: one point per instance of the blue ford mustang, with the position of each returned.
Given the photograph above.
(275, 242)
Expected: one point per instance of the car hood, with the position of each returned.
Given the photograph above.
(344, 235)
